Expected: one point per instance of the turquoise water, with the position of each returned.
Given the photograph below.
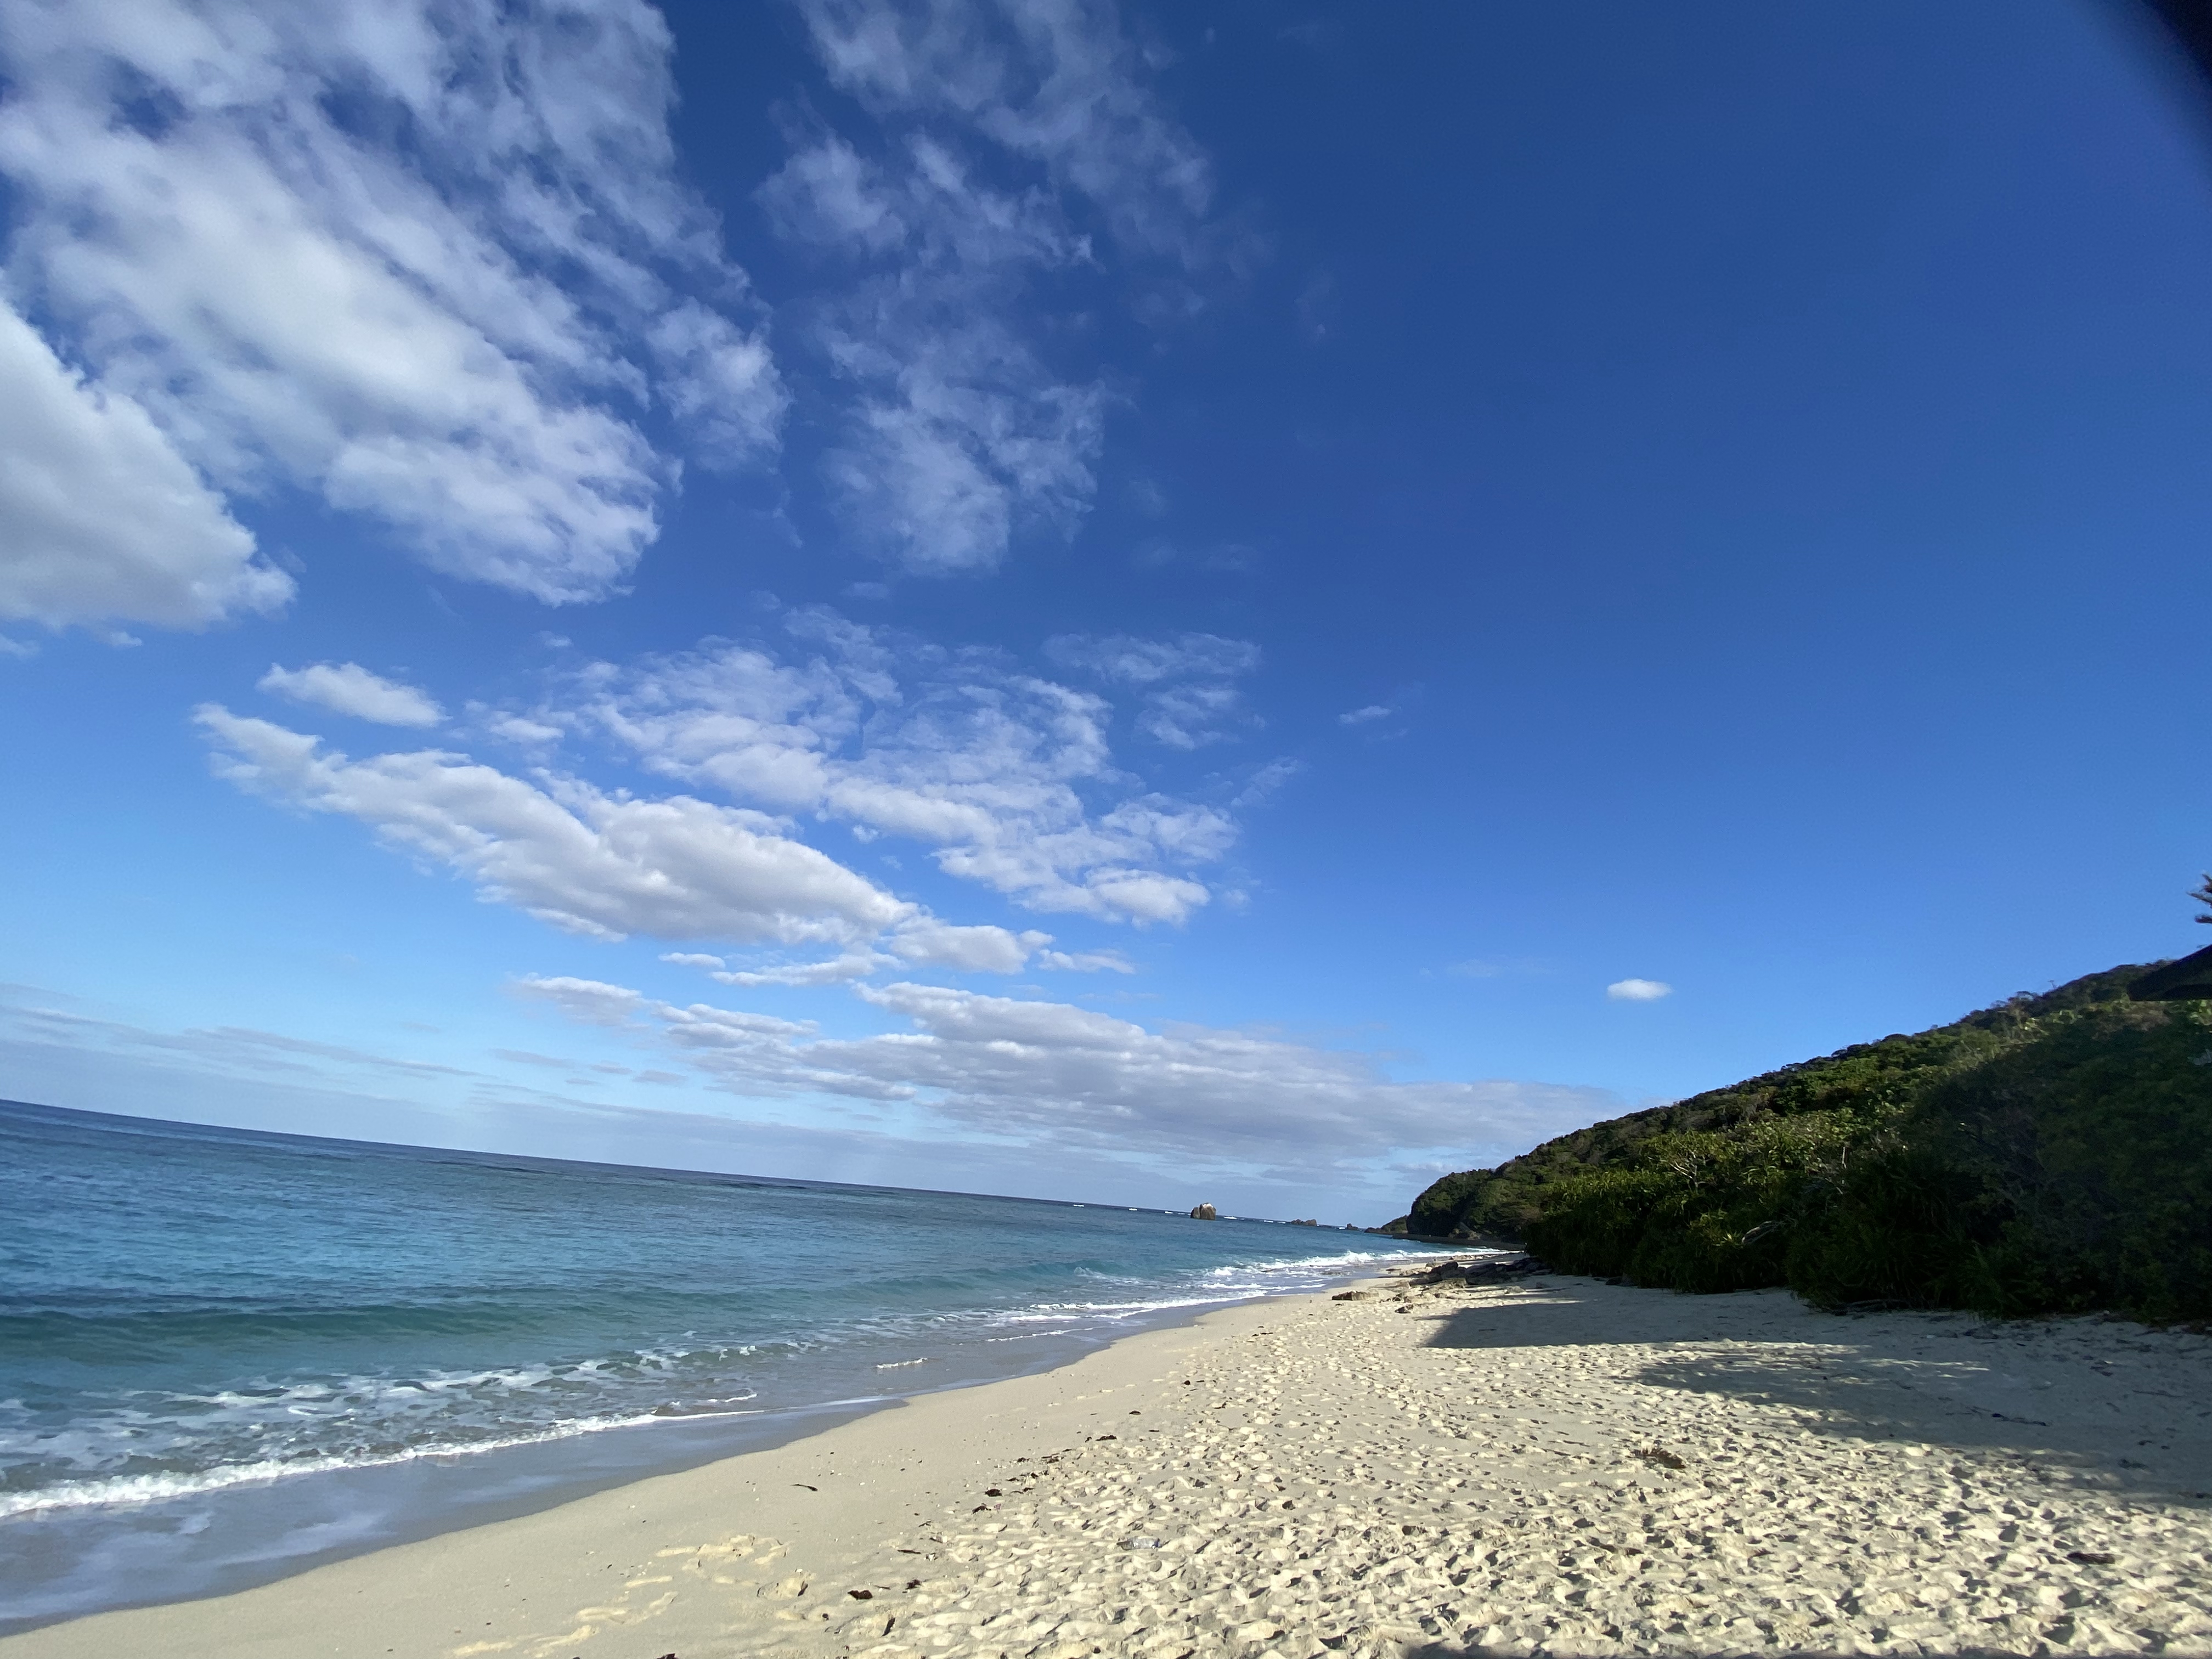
(224, 1355)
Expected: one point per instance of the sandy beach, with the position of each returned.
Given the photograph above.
(1550, 1466)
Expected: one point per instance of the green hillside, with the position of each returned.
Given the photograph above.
(2052, 1154)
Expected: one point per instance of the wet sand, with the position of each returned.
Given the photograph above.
(1553, 1466)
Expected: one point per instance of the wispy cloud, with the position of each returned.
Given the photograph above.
(1056, 1076)
(1190, 694)
(1638, 990)
(1367, 716)
(431, 263)
(1008, 142)
(1010, 778)
(1497, 967)
(1084, 962)
(1057, 83)
(347, 688)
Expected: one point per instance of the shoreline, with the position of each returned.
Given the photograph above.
(181, 1538)
(1546, 1465)
(939, 1434)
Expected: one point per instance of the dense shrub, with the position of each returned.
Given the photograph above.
(2053, 1153)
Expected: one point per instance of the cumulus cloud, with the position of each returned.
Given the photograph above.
(1053, 1076)
(101, 520)
(430, 262)
(1638, 990)
(1008, 777)
(987, 949)
(1011, 141)
(604, 865)
(347, 688)
(610, 864)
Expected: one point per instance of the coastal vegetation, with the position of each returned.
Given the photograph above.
(2050, 1154)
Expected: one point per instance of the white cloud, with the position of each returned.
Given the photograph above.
(613, 865)
(606, 865)
(1190, 699)
(586, 1002)
(522, 733)
(1009, 778)
(854, 965)
(827, 196)
(1006, 779)
(101, 521)
(1056, 81)
(1638, 990)
(70, 1056)
(1192, 716)
(923, 941)
(1266, 780)
(965, 424)
(319, 247)
(720, 380)
(1060, 1078)
(957, 437)
(978, 949)
(958, 442)
(1085, 962)
(1373, 711)
(347, 688)
(1127, 659)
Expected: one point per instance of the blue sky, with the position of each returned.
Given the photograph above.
(1238, 602)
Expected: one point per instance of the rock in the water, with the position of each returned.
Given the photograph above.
(1204, 1212)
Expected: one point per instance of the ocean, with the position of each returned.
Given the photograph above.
(227, 1355)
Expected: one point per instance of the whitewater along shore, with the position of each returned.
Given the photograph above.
(1430, 1467)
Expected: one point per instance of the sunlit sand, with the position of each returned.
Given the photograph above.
(1554, 1465)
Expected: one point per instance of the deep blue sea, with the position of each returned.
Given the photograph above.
(225, 1355)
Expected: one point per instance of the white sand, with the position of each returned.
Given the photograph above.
(1436, 1473)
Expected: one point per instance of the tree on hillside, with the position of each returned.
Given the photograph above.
(2203, 895)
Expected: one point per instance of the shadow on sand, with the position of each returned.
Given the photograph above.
(1452, 1650)
(2076, 1396)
